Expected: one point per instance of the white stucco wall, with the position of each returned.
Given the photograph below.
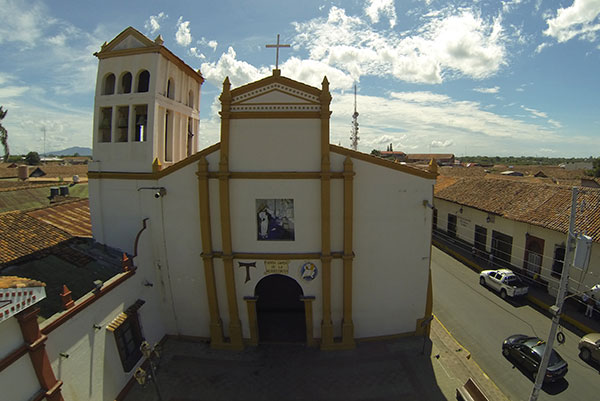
(93, 370)
(18, 382)
(465, 230)
(275, 145)
(10, 333)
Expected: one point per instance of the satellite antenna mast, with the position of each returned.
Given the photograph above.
(354, 132)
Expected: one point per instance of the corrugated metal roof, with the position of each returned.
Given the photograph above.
(534, 203)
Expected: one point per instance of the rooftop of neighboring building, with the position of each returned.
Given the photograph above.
(18, 195)
(540, 204)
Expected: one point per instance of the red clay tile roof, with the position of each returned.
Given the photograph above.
(72, 217)
(534, 203)
(19, 282)
(22, 235)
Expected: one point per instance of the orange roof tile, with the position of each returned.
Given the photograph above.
(19, 282)
(72, 217)
(534, 203)
(22, 235)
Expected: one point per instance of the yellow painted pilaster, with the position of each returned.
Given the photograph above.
(235, 326)
(347, 323)
(326, 324)
(252, 319)
(308, 314)
(216, 327)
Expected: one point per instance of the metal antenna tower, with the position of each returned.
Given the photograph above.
(354, 132)
(44, 131)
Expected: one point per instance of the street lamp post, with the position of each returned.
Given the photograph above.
(560, 298)
(150, 353)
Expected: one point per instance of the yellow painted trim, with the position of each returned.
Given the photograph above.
(235, 326)
(277, 175)
(252, 320)
(347, 322)
(156, 165)
(382, 162)
(275, 79)
(424, 331)
(274, 114)
(151, 47)
(155, 175)
(282, 256)
(387, 337)
(245, 100)
(308, 315)
(216, 325)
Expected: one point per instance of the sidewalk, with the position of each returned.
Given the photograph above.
(378, 370)
(572, 312)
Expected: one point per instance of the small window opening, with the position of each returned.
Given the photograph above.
(105, 124)
(143, 81)
(126, 83)
(122, 124)
(170, 89)
(141, 121)
(109, 85)
(191, 99)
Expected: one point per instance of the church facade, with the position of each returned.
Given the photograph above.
(272, 234)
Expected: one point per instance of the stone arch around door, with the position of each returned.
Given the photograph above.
(280, 310)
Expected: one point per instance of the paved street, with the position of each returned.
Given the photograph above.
(480, 321)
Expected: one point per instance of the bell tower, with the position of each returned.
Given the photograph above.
(146, 109)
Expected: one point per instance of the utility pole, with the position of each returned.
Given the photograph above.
(560, 297)
(354, 132)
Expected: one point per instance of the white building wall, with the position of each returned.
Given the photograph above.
(18, 382)
(10, 333)
(391, 244)
(275, 145)
(465, 230)
(93, 370)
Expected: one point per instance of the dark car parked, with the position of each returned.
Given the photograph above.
(527, 352)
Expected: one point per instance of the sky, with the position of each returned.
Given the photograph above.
(494, 78)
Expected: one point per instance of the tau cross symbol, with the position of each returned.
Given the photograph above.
(247, 266)
(277, 46)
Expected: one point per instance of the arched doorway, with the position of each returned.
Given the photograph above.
(279, 310)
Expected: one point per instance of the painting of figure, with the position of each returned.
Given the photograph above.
(275, 219)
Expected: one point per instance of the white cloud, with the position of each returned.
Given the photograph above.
(213, 44)
(152, 24)
(384, 7)
(449, 43)
(23, 23)
(239, 72)
(312, 72)
(442, 144)
(541, 47)
(534, 112)
(196, 53)
(494, 89)
(183, 37)
(578, 20)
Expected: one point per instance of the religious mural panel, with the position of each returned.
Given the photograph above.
(275, 219)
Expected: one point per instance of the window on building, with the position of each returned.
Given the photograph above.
(191, 99)
(126, 83)
(105, 124)
(122, 124)
(108, 87)
(168, 137)
(480, 238)
(451, 225)
(559, 260)
(143, 81)
(170, 89)
(435, 219)
(141, 122)
(128, 335)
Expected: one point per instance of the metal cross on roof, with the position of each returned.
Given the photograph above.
(277, 46)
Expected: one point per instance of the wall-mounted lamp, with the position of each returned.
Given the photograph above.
(97, 286)
(488, 219)
(427, 204)
(461, 210)
(159, 191)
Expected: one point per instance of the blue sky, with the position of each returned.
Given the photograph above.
(515, 77)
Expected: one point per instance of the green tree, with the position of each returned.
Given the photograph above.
(4, 134)
(32, 158)
(596, 168)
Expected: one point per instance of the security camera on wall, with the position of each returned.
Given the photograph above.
(160, 193)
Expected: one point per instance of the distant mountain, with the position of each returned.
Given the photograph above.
(71, 151)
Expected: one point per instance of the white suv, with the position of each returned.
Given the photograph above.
(504, 281)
